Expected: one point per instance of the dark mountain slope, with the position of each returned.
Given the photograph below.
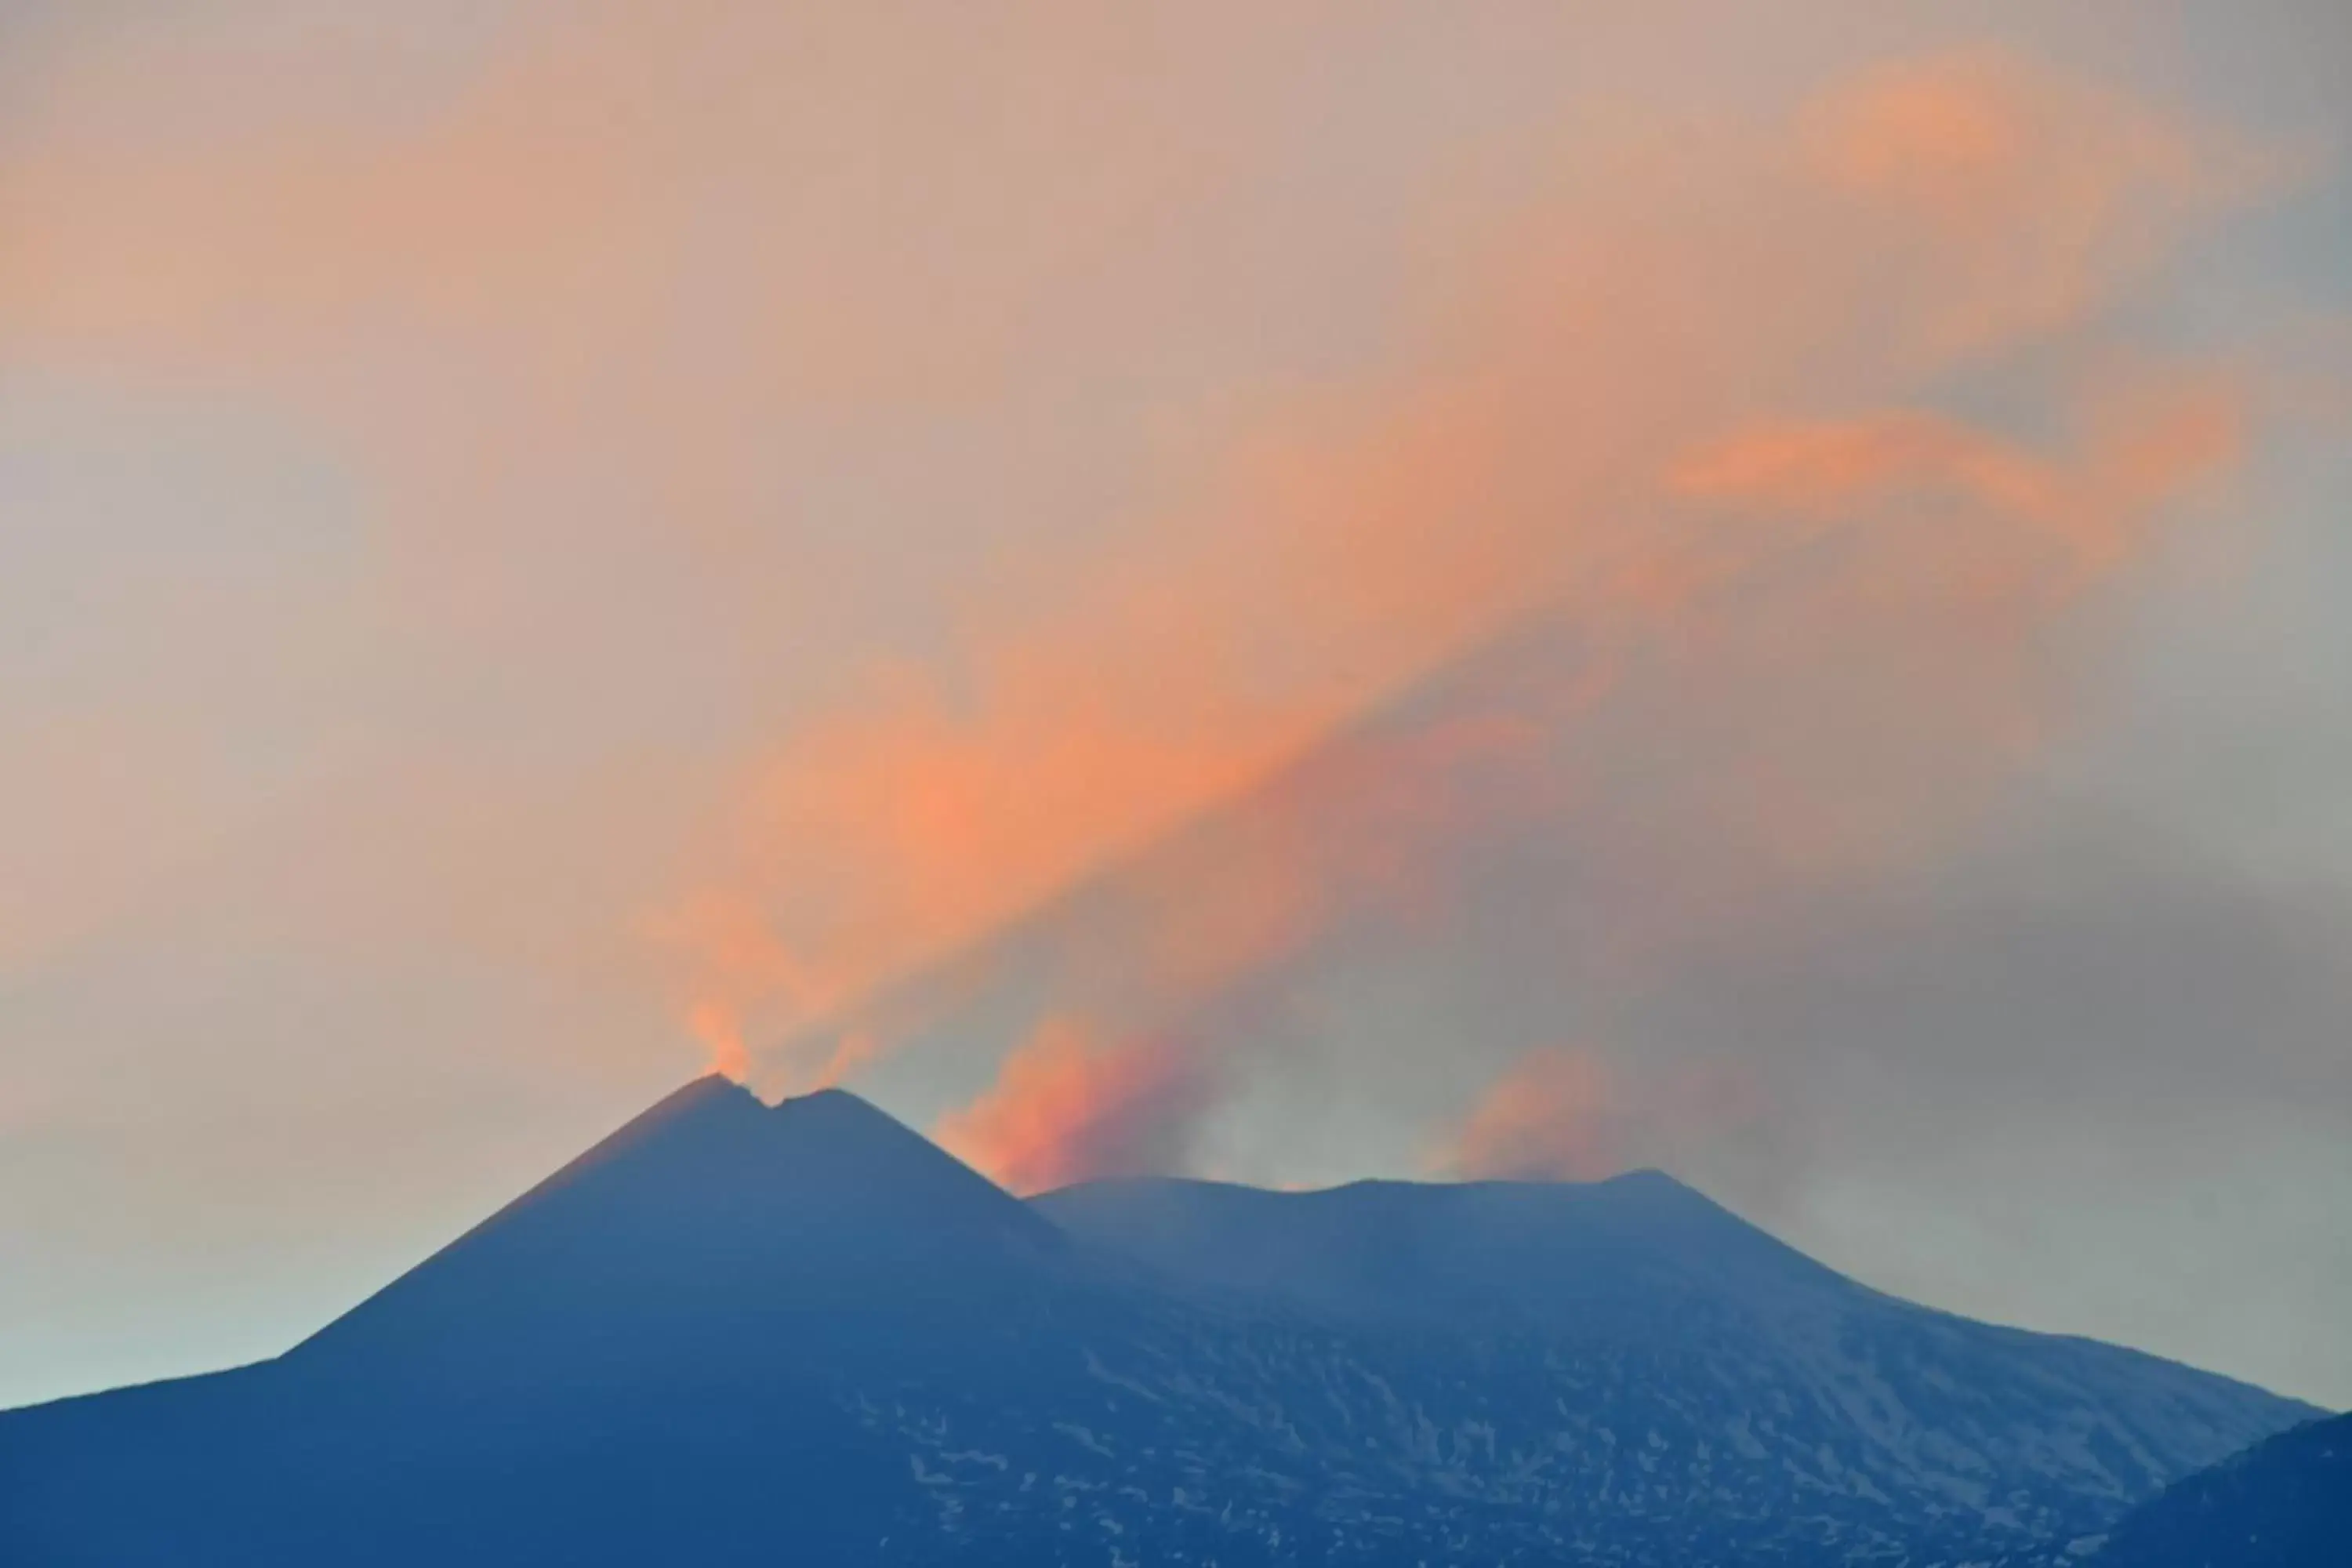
(602, 1372)
(1589, 1317)
(2286, 1502)
(708, 1220)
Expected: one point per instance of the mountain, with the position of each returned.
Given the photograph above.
(1629, 1350)
(709, 1218)
(735, 1333)
(2286, 1502)
(644, 1359)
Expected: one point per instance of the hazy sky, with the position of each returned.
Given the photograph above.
(1289, 591)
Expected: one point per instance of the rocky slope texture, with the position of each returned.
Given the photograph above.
(732, 1334)
(2284, 1503)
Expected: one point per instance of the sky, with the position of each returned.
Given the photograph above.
(1279, 591)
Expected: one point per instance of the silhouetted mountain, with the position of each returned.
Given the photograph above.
(732, 1334)
(2286, 1502)
(708, 1215)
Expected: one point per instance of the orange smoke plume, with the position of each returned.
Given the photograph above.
(1557, 1114)
(1563, 1113)
(1067, 1107)
(721, 1033)
(1353, 542)
(1252, 559)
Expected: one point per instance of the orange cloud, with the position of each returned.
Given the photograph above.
(2147, 441)
(2039, 191)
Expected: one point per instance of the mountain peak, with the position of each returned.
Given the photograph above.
(709, 1195)
(696, 1110)
(709, 1086)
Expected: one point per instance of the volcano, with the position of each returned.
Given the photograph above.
(732, 1333)
(709, 1224)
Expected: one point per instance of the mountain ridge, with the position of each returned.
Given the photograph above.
(1640, 1206)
